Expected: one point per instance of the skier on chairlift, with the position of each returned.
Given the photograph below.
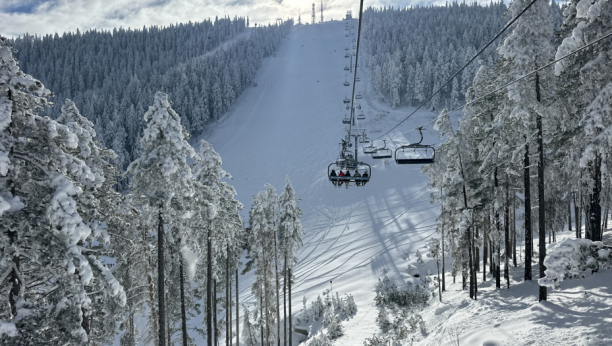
(357, 175)
(347, 181)
(333, 174)
(364, 175)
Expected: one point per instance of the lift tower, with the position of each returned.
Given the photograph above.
(313, 14)
(321, 11)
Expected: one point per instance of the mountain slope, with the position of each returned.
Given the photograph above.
(290, 124)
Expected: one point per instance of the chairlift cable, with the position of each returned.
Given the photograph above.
(461, 69)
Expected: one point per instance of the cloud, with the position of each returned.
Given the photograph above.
(43, 17)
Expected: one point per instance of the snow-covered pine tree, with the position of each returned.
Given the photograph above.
(290, 241)
(528, 47)
(44, 270)
(161, 179)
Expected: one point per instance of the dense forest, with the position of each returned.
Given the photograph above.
(203, 67)
(412, 51)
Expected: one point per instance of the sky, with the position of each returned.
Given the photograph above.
(43, 17)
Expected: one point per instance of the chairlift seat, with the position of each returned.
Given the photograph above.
(346, 121)
(361, 116)
(346, 100)
(416, 154)
(350, 164)
(346, 83)
(382, 154)
(346, 68)
(369, 149)
(359, 96)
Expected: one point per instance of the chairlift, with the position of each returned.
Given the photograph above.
(346, 48)
(369, 149)
(353, 53)
(346, 83)
(361, 116)
(357, 79)
(345, 35)
(346, 68)
(345, 163)
(347, 55)
(346, 120)
(346, 100)
(353, 39)
(415, 153)
(382, 153)
(359, 96)
(358, 105)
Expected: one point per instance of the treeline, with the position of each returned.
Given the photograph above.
(411, 52)
(112, 75)
(78, 260)
(537, 150)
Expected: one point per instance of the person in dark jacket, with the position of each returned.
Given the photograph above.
(348, 179)
(364, 175)
(357, 175)
(334, 175)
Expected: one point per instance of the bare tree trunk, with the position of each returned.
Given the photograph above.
(577, 217)
(443, 262)
(541, 200)
(497, 246)
(528, 236)
(569, 215)
(278, 335)
(161, 279)
(290, 316)
(237, 312)
(216, 326)
(507, 237)
(183, 312)
(285, 301)
(514, 229)
(595, 217)
(261, 299)
(228, 300)
(154, 311)
(476, 251)
(485, 248)
(209, 297)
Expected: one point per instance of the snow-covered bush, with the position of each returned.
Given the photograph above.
(376, 340)
(320, 340)
(332, 323)
(389, 295)
(413, 271)
(382, 320)
(571, 257)
(419, 258)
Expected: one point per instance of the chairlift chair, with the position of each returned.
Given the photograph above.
(348, 163)
(369, 149)
(345, 48)
(346, 68)
(347, 55)
(361, 116)
(415, 153)
(346, 83)
(357, 79)
(358, 105)
(382, 153)
(346, 100)
(346, 120)
(359, 96)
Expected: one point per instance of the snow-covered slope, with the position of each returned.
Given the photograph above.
(290, 124)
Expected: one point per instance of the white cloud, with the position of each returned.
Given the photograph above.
(51, 16)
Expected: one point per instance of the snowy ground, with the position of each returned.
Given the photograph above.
(290, 124)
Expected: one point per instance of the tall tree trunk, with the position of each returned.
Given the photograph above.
(290, 316)
(577, 217)
(595, 217)
(569, 215)
(278, 335)
(209, 297)
(261, 299)
(528, 236)
(439, 285)
(228, 300)
(285, 301)
(154, 311)
(507, 237)
(514, 229)
(231, 306)
(541, 201)
(476, 251)
(161, 279)
(473, 277)
(498, 245)
(443, 262)
(237, 312)
(485, 247)
(215, 321)
(183, 312)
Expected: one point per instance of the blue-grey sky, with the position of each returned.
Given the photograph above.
(50, 16)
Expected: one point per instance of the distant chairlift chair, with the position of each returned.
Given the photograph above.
(415, 153)
(383, 153)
